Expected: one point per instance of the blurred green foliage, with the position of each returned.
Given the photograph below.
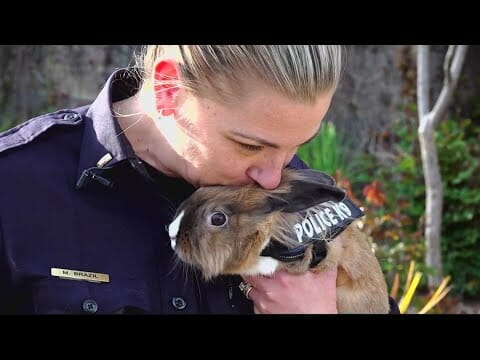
(459, 159)
(458, 145)
(325, 152)
(393, 195)
(6, 123)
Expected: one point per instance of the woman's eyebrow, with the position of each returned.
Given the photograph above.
(268, 143)
(256, 139)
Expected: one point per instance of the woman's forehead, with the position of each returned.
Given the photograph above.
(279, 114)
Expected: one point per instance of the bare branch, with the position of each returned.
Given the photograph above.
(423, 80)
(447, 64)
(444, 98)
(428, 120)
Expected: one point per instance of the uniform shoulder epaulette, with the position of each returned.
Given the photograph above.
(25, 132)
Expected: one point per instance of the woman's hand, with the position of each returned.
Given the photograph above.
(286, 293)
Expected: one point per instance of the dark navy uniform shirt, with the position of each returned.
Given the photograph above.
(110, 221)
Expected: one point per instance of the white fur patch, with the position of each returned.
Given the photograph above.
(265, 265)
(173, 229)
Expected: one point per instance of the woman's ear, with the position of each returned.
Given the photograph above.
(165, 86)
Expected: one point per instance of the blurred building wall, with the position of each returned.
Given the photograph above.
(377, 81)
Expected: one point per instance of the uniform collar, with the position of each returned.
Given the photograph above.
(102, 134)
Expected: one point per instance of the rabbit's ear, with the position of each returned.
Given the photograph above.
(315, 176)
(309, 189)
(273, 203)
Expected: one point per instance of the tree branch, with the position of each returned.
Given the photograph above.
(423, 80)
(453, 73)
(447, 64)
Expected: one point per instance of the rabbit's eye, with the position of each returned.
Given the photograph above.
(218, 219)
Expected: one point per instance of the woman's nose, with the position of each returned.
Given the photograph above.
(267, 177)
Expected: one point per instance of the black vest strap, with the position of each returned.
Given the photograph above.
(283, 253)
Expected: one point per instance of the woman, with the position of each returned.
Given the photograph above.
(109, 175)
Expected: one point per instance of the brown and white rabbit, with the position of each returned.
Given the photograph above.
(249, 230)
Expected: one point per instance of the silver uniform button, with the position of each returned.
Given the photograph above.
(90, 306)
(71, 116)
(179, 303)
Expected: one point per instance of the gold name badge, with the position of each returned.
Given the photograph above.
(80, 275)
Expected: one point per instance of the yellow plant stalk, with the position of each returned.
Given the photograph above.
(405, 301)
(437, 296)
(411, 284)
(411, 268)
(431, 303)
(442, 286)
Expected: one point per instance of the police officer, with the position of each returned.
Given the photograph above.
(86, 193)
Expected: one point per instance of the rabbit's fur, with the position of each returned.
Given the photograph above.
(255, 216)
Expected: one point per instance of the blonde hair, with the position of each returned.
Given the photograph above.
(300, 72)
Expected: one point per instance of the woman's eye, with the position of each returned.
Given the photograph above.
(251, 147)
(218, 219)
